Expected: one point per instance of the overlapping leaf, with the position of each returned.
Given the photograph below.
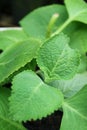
(56, 59)
(79, 39)
(75, 112)
(31, 98)
(10, 37)
(77, 10)
(72, 86)
(35, 24)
(5, 122)
(17, 56)
(83, 64)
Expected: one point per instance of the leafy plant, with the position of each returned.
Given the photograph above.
(46, 64)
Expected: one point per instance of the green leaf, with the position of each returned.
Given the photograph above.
(83, 64)
(31, 98)
(77, 10)
(72, 27)
(75, 112)
(72, 86)
(29, 66)
(5, 122)
(17, 56)
(36, 23)
(10, 37)
(57, 60)
(79, 40)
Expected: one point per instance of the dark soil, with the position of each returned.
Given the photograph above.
(52, 122)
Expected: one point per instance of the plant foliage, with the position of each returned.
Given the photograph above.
(45, 63)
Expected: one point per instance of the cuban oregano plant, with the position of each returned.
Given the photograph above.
(43, 67)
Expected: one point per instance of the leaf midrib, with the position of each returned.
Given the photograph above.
(15, 68)
(58, 60)
(74, 110)
(11, 122)
(79, 13)
(33, 92)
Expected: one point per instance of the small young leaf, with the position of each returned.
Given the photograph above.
(36, 23)
(5, 122)
(31, 98)
(10, 37)
(77, 10)
(56, 59)
(72, 86)
(75, 112)
(17, 56)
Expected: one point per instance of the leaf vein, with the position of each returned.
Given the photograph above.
(74, 110)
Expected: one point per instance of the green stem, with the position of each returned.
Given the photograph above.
(62, 27)
(51, 24)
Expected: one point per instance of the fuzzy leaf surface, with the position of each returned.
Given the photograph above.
(10, 37)
(5, 122)
(75, 112)
(35, 24)
(56, 59)
(77, 10)
(17, 56)
(72, 86)
(31, 98)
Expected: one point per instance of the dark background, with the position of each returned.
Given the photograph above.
(11, 11)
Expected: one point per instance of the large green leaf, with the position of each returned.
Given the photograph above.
(36, 23)
(72, 27)
(72, 86)
(79, 40)
(77, 10)
(29, 66)
(56, 59)
(17, 56)
(75, 112)
(5, 122)
(31, 98)
(9, 37)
